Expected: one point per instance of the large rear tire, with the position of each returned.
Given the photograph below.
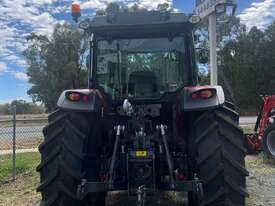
(63, 156)
(268, 141)
(219, 158)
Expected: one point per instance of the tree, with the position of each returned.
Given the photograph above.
(246, 61)
(22, 107)
(115, 7)
(228, 29)
(248, 64)
(56, 63)
(5, 109)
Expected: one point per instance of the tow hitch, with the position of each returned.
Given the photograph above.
(141, 195)
(94, 187)
(141, 169)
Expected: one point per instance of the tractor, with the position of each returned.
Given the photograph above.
(143, 125)
(263, 137)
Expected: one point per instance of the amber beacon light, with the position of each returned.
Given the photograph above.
(76, 11)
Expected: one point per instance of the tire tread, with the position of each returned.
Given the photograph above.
(215, 163)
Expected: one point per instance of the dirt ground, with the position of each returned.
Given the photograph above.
(21, 192)
(26, 143)
(261, 186)
(261, 182)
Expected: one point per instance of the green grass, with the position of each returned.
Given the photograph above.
(24, 162)
(248, 129)
(261, 164)
(22, 191)
(266, 160)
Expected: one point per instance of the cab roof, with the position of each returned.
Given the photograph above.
(140, 24)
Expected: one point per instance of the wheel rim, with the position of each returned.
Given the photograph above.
(270, 142)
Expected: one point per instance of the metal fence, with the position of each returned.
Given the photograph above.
(19, 134)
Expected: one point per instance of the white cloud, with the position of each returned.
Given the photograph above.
(17, 74)
(20, 75)
(259, 14)
(149, 4)
(101, 4)
(3, 67)
(21, 63)
(20, 17)
(96, 4)
(41, 2)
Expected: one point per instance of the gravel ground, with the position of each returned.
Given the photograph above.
(261, 186)
(21, 192)
(261, 182)
(164, 199)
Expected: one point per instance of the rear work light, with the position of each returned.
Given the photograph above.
(204, 94)
(73, 96)
(76, 97)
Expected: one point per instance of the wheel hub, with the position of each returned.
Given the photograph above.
(270, 142)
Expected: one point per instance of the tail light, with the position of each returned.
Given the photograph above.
(85, 98)
(204, 94)
(180, 176)
(76, 97)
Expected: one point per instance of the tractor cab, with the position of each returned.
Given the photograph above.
(142, 56)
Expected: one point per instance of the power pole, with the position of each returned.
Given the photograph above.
(209, 9)
(213, 49)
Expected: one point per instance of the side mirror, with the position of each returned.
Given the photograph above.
(228, 8)
(84, 24)
(202, 55)
(196, 38)
(194, 19)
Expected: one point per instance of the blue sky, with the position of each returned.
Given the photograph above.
(20, 17)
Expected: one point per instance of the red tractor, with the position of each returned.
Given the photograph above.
(264, 136)
(143, 125)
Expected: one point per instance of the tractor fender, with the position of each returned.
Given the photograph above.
(91, 100)
(189, 103)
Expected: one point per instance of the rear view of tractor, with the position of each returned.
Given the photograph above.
(264, 136)
(143, 125)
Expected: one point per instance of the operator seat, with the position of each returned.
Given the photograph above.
(143, 84)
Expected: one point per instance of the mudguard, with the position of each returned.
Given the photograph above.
(198, 104)
(94, 102)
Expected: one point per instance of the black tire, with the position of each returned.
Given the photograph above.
(63, 159)
(268, 141)
(219, 158)
(272, 114)
(230, 105)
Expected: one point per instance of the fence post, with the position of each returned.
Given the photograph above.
(14, 143)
